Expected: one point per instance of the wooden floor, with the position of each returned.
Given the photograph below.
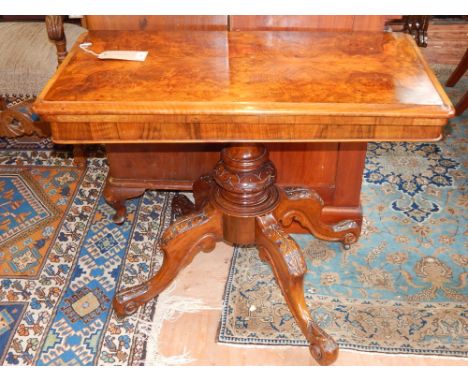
(446, 43)
(190, 338)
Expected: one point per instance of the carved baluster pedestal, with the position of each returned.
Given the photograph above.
(241, 204)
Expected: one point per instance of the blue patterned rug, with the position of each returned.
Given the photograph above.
(62, 258)
(402, 288)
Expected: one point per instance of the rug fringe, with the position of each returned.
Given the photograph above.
(169, 308)
(160, 360)
(249, 346)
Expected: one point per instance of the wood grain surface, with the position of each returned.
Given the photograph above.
(258, 74)
(147, 22)
(311, 23)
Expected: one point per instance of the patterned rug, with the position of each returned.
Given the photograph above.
(62, 258)
(403, 287)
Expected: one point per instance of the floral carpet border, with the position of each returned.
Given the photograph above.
(225, 338)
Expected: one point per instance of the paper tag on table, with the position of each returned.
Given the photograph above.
(127, 55)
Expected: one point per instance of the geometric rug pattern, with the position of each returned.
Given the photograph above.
(402, 288)
(62, 258)
(33, 202)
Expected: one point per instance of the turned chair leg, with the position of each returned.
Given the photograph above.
(288, 264)
(199, 231)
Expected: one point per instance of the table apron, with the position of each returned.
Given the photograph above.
(117, 132)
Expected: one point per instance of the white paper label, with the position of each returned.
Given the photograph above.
(128, 55)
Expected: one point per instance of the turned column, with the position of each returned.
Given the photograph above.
(245, 188)
(55, 31)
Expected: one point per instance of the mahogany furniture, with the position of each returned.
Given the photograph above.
(417, 27)
(459, 71)
(27, 61)
(246, 92)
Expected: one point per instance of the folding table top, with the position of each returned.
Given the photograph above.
(220, 77)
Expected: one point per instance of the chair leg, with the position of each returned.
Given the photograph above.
(55, 31)
(459, 71)
(462, 105)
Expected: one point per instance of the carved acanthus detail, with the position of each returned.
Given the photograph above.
(131, 293)
(181, 205)
(345, 225)
(240, 182)
(287, 246)
(298, 193)
(182, 225)
(19, 120)
(127, 296)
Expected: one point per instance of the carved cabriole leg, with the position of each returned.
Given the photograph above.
(116, 196)
(199, 231)
(289, 267)
(304, 206)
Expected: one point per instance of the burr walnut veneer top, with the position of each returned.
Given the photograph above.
(327, 78)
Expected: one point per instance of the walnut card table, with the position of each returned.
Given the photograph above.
(311, 99)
